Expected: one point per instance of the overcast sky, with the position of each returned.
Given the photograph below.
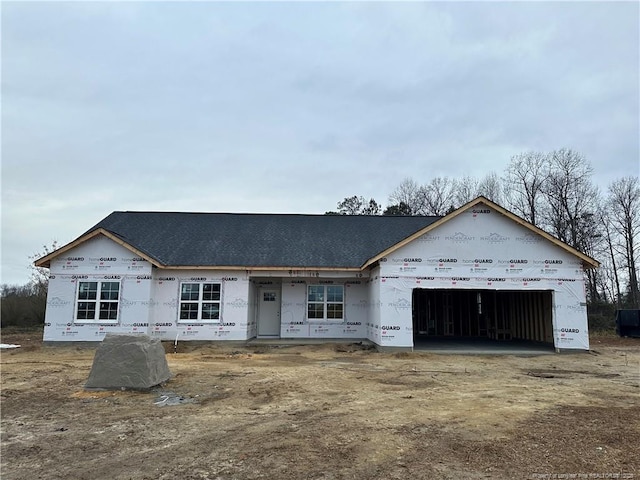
(290, 107)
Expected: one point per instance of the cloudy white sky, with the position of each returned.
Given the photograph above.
(290, 107)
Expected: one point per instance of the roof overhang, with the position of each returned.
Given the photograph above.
(587, 262)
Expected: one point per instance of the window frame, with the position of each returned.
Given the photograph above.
(325, 302)
(100, 289)
(200, 302)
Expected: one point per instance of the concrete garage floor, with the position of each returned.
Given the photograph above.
(480, 346)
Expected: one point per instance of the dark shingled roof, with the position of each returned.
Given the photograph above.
(260, 240)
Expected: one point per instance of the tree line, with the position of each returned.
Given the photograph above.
(24, 305)
(554, 191)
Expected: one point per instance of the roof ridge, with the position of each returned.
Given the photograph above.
(267, 214)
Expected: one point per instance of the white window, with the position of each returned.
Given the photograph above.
(325, 302)
(200, 302)
(98, 302)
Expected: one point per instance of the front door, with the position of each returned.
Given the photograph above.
(268, 312)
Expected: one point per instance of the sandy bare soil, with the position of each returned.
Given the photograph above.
(325, 412)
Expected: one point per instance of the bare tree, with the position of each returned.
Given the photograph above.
(571, 198)
(24, 305)
(593, 244)
(411, 194)
(570, 209)
(624, 216)
(438, 196)
(39, 275)
(467, 189)
(491, 187)
(523, 184)
(611, 255)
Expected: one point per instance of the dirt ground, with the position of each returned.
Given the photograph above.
(325, 412)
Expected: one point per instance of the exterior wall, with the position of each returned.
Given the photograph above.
(97, 259)
(387, 324)
(482, 249)
(396, 322)
(294, 322)
(234, 308)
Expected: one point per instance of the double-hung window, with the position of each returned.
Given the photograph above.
(325, 302)
(200, 302)
(98, 301)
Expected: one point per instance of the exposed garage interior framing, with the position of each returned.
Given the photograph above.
(494, 314)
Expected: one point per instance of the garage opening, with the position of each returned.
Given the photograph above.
(492, 314)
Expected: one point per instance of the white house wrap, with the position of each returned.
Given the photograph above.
(479, 272)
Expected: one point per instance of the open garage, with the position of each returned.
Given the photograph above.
(481, 276)
(492, 314)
